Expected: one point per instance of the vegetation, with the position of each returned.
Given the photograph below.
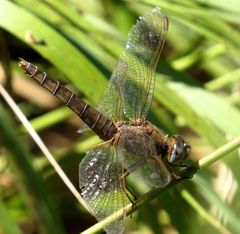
(197, 95)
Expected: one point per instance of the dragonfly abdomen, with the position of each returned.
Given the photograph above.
(100, 124)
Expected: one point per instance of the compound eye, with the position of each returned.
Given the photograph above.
(179, 150)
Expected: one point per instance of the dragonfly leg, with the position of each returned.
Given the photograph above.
(126, 190)
(178, 165)
(188, 172)
(167, 165)
(170, 168)
(105, 142)
(115, 139)
(132, 201)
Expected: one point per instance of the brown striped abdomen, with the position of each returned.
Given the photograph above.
(100, 124)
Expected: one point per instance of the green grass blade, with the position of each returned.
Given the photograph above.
(203, 212)
(49, 119)
(221, 82)
(205, 112)
(6, 223)
(213, 199)
(76, 67)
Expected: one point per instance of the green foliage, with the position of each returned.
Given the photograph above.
(197, 94)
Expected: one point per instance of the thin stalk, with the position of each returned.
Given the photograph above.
(48, 119)
(220, 153)
(224, 80)
(41, 145)
(197, 55)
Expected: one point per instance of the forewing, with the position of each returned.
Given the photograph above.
(100, 186)
(111, 104)
(130, 89)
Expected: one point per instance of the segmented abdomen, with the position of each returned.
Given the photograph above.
(100, 124)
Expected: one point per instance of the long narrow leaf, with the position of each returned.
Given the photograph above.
(56, 49)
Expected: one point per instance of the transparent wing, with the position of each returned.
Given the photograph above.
(130, 89)
(100, 186)
(111, 104)
(138, 154)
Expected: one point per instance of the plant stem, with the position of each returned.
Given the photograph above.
(219, 153)
(41, 145)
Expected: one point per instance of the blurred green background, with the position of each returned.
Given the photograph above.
(197, 95)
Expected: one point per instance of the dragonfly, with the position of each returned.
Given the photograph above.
(131, 144)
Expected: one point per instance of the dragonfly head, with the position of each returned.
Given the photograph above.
(178, 149)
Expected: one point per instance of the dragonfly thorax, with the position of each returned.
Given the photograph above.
(147, 130)
(140, 148)
(172, 149)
